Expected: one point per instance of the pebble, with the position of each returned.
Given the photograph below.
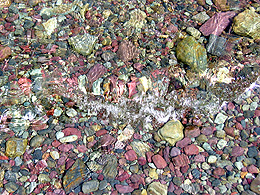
(221, 144)
(191, 150)
(11, 187)
(59, 135)
(157, 188)
(71, 112)
(15, 147)
(124, 188)
(70, 138)
(201, 17)
(43, 178)
(90, 186)
(159, 161)
(37, 141)
(212, 159)
(220, 118)
(55, 155)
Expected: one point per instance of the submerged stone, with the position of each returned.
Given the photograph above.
(15, 147)
(191, 53)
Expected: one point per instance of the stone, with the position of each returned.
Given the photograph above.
(156, 188)
(192, 131)
(110, 169)
(220, 134)
(219, 171)
(44, 178)
(255, 185)
(140, 148)
(237, 151)
(37, 141)
(217, 23)
(19, 125)
(220, 118)
(190, 52)
(191, 150)
(137, 19)
(247, 24)
(175, 152)
(184, 142)
(31, 187)
(75, 175)
(15, 147)
(71, 112)
(5, 52)
(239, 165)
(126, 134)
(212, 159)
(193, 32)
(124, 189)
(83, 44)
(90, 186)
(216, 45)
(171, 132)
(94, 73)
(50, 25)
(181, 160)
(55, 155)
(130, 155)
(252, 152)
(11, 187)
(70, 138)
(127, 51)
(201, 17)
(221, 144)
(159, 161)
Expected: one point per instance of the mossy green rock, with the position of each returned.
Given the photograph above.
(191, 53)
(247, 24)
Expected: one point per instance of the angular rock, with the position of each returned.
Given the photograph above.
(216, 45)
(75, 176)
(156, 188)
(171, 132)
(127, 51)
(124, 189)
(5, 52)
(220, 118)
(255, 185)
(181, 160)
(191, 150)
(15, 147)
(110, 169)
(190, 52)
(83, 44)
(95, 73)
(90, 186)
(159, 161)
(192, 131)
(247, 24)
(50, 25)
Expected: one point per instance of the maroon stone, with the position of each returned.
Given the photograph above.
(107, 140)
(229, 131)
(101, 132)
(124, 189)
(184, 142)
(199, 158)
(166, 153)
(65, 147)
(219, 171)
(72, 131)
(123, 176)
(149, 156)
(159, 161)
(185, 168)
(191, 149)
(181, 160)
(142, 161)
(130, 155)
(175, 152)
(252, 169)
(239, 126)
(231, 106)
(192, 131)
(237, 151)
(95, 73)
(207, 130)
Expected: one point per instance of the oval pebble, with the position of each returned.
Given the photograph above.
(212, 159)
(70, 138)
(59, 134)
(55, 155)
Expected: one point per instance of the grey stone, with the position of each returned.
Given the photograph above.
(36, 141)
(11, 187)
(216, 45)
(90, 186)
(220, 118)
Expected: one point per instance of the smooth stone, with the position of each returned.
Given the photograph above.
(130, 155)
(71, 112)
(123, 189)
(220, 133)
(156, 188)
(44, 178)
(110, 169)
(37, 141)
(15, 147)
(253, 106)
(255, 185)
(11, 187)
(70, 138)
(171, 132)
(75, 175)
(201, 17)
(10, 176)
(102, 185)
(221, 144)
(159, 161)
(57, 112)
(31, 187)
(220, 118)
(252, 152)
(212, 159)
(90, 186)
(191, 150)
(181, 160)
(59, 135)
(18, 161)
(239, 165)
(140, 148)
(55, 155)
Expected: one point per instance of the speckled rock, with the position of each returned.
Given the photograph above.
(156, 188)
(90, 186)
(75, 175)
(140, 148)
(127, 51)
(110, 169)
(36, 141)
(255, 185)
(50, 25)
(171, 132)
(15, 147)
(190, 52)
(247, 23)
(137, 19)
(83, 44)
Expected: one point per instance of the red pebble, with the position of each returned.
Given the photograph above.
(130, 155)
(101, 132)
(191, 150)
(219, 171)
(159, 161)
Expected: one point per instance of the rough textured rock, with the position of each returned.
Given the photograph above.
(137, 19)
(75, 176)
(90, 186)
(15, 147)
(156, 188)
(190, 52)
(171, 132)
(247, 24)
(255, 185)
(140, 148)
(110, 169)
(127, 51)
(5, 52)
(5, 3)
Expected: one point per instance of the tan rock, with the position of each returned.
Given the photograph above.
(15, 147)
(156, 188)
(171, 132)
(255, 185)
(5, 3)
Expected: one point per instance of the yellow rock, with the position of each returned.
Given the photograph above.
(146, 84)
(50, 25)
(144, 192)
(15, 147)
(153, 174)
(5, 3)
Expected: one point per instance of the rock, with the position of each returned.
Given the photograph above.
(255, 185)
(90, 186)
(18, 125)
(15, 147)
(216, 45)
(221, 144)
(201, 17)
(11, 187)
(171, 132)
(184, 142)
(220, 118)
(193, 32)
(175, 152)
(190, 52)
(110, 169)
(219, 171)
(191, 150)
(192, 131)
(237, 151)
(140, 148)
(71, 112)
(83, 44)
(247, 24)
(37, 141)
(137, 19)
(212, 159)
(217, 23)
(124, 189)
(55, 155)
(75, 175)
(181, 160)
(50, 25)
(192, 188)
(5, 52)
(156, 188)
(126, 134)
(94, 73)
(70, 138)
(127, 51)
(252, 152)
(44, 178)
(130, 155)
(159, 161)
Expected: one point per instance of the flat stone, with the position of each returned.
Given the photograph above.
(156, 188)
(70, 138)
(184, 142)
(255, 185)
(110, 169)
(237, 151)
(201, 17)
(130, 155)
(159, 161)
(219, 171)
(175, 152)
(37, 141)
(11, 187)
(15, 147)
(44, 178)
(75, 175)
(220, 118)
(190, 52)
(126, 134)
(181, 160)
(124, 189)
(90, 186)
(192, 131)
(191, 150)
(140, 148)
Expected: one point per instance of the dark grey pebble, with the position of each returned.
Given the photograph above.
(24, 172)
(215, 183)
(10, 176)
(249, 113)
(257, 130)
(244, 135)
(252, 152)
(195, 173)
(37, 154)
(102, 185)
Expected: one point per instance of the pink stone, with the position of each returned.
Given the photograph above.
(219, 171)
(149, 156)
(184, 142)
(124, 189)
(192, 131)
(82, 148)
(231, 106)
(207, 130)
(41, 165)
(95, 73)
(65, 147)
(142, 161)
(159, 161)
(239, 126)
(130, 155)
(132, 88)
(175, 152)
(61, 160)
(69, 163)
(199, 158)
(191, 149)
(257, 113)
(123, 176)
(181, 160)
(107, 140)
(237, 151)
(72, 131)
(229, 131)
(252, 169)
(101, 132)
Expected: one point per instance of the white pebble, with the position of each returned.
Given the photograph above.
(212, 159)
(70, 138)
(59, 134)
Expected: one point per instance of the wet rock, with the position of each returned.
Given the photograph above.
(130, 155)
(216, 45)
(171, 132)
(193, 32)
(110, 169)
(15, 147)
(37, 141)
(11, 187)
(247, 24)
(127, 51)
(181, 160)
(220, 118)
(191, 150)
(5, 52)
(19, 125)
(44, 178)
(190, 52)
(83, 44)
(90, 186)
(156, 188)
(75, 175)
(255, 185)
(124, 189)
(159, 161)
(137, 19)
(140, 148)
(126, 134)
(192, 131)
(201, 17)
(95, 73)
(70, 138)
